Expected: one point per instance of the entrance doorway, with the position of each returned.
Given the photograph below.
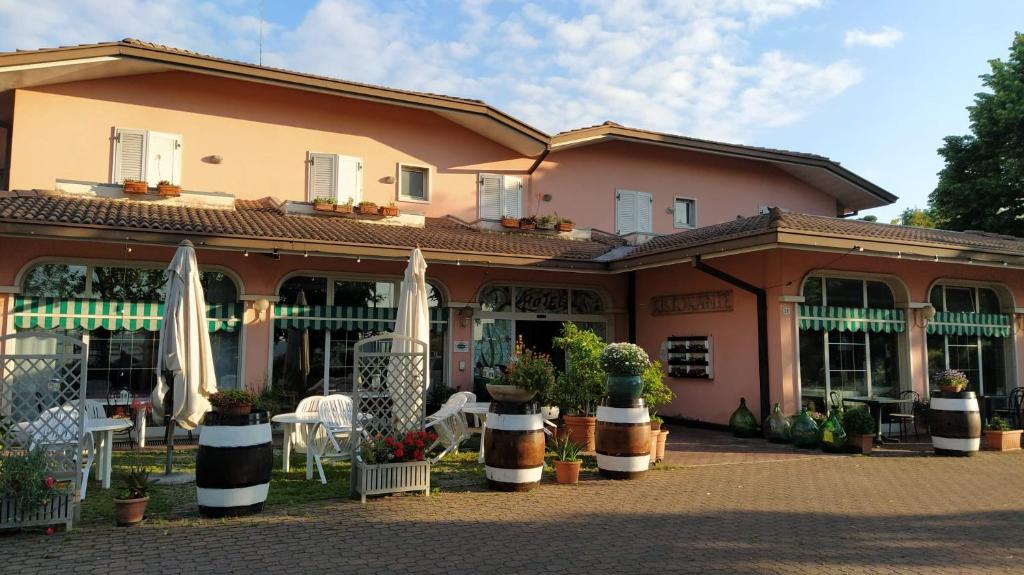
(538, 334)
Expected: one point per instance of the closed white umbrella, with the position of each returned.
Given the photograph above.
(184, 362)
(413, 321)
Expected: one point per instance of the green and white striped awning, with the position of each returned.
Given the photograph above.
(969, 323)
(343, 317)
(88, 314)
(828, 318)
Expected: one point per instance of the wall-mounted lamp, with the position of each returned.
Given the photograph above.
(924, 314)
(387, 180)
(261, 306)
(465, 314)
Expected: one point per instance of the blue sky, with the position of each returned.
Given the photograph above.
(874, 85)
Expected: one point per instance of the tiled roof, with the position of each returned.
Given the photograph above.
(264, 220)
(848, 228)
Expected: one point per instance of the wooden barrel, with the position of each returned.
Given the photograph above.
(955, 423)
(233, 464)
(623, 440)
(514, 446)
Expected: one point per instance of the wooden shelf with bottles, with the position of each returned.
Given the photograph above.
(689, 356)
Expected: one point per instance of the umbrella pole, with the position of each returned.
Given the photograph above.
(169, 428)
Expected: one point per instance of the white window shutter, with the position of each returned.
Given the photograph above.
(644, 209)
(129, 155)
(323, 176)
(350, 179)
(490, 197)
(512, 196)
(163, 158)
(625, 212)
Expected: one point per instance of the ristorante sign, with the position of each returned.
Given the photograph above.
(699, 302)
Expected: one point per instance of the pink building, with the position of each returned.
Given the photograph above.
(678, 243)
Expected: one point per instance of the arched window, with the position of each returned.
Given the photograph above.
(969, 334)
(849, 340)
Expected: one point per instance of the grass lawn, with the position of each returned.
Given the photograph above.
(456, 472)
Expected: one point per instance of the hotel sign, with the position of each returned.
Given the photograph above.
(699, 302)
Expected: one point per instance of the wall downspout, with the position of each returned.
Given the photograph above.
(631, 307)
(762, 327)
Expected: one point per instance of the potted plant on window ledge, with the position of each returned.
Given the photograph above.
(528, 223)
(345, 208)
(323, 204)
(546, 223)
(367, 208)
(168, 190)
(135, 187)
(389, 211)
(509, 222)
(565, 225)
(999, 436)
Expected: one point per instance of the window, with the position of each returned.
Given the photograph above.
(332, 176)
(632, 212)
(500, 196)
(685, 213)
(146, 155)
(981, 357)
(413, 183)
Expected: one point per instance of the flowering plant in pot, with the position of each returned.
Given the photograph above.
(567, 460)
(950, 380)
(581, 386)
(1000, 435)
(624, 364)
(527, 375)
(134, 496)
(323, 204)
(860, 428)
(27, 489)
(167, 189)
(135, 187)
(233, 401)
(385, 449)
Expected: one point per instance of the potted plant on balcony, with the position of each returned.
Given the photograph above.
(528, 374)
(323, 204)
(509, 222)
(581, 386)
(567, 461)
(29, 495)
(393, 464)
(528, 223)
(1000, 436)
(132, 500)
(546, 222)
(390, 210)
(951, 381)
(233, 401)
(168, 190)
(367, 208)
(135, 187)
(565, 225)
(860, 429)
(345, 208)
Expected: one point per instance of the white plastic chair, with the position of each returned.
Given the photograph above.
(57, 428)
(475, 428)
(450, 425)
(308, 405)
(332, 435)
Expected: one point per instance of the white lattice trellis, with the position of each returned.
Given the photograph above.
(42, 399)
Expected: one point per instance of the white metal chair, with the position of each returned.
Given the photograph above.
(450, 425)
(332, 435)
(57, 429)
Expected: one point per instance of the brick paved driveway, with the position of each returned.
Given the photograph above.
(900, 513)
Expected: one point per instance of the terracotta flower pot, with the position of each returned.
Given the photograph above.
(323, 207)
(367, 209)
(510, 223)
(343, 208)
(235, 410)
(655, 425)
(654, 446)
(662, 440)
(565, 227)
(1002, 440)
(136, 188)
(567, 472)
(527, 225)
(951, 388)
(168, 190)
(130, 511)
(581, 430)
(387, 211)
(862, 443)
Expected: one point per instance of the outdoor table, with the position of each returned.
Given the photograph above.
(290, 420)
(140, 408)
(102, 431)
(479, 409)
(875, 404)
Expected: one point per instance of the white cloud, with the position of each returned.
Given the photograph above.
(883, 38)
(686, 67)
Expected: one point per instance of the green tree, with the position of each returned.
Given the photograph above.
(916, 217)
(982, 184)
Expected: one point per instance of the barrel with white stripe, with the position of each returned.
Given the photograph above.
(514, 446)
(955, 423)
(233, 464)
(623, 440)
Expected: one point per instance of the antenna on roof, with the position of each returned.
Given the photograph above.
(261, 34)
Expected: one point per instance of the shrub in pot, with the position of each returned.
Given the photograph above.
(131, 502)
(860, 429)
(567, 460)
(233, 401)
(625, 364)
(1000, 436)
(578, 390)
